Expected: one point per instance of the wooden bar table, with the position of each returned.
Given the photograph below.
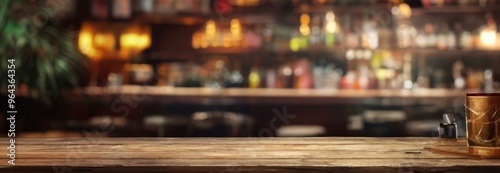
(325, 154)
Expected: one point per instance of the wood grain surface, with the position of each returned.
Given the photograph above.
(326, 154)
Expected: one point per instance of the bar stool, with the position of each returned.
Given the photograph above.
(107, 124)
(160, 123)
(219, 124)
(301, 131)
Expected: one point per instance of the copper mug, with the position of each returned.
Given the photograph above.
(482, 112)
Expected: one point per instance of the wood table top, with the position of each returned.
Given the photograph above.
(323, 154)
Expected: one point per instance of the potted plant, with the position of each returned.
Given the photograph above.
(46, 61)
(46, 58)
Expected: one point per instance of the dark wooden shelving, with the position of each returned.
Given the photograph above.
(450, 52)
(334, 52)
(456, 9)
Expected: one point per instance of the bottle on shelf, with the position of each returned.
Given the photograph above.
(458, 72)
(235, 79)
(268, 36)
(488, 34)
(254, 78)
(462, 37)
(302, 74)
(421, 39)
(351, 36)
(330, 29)
(316, 37)
(370, 35)
(474, 79)
(284, 77)
(430, 36)
(305, 31)
(407, 79)
(348, 80)
(451, 42)
(270, 78)
(488, 81)
(295, 40)
(405, 34)
(442, 37)
(322, 74)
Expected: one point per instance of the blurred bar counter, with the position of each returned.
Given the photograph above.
(264, 95)
(332, 154)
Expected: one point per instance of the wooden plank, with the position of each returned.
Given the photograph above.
(230, 141)
(326, 154)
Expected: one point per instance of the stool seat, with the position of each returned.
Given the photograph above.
(219, 124)
(108, 120)
(163, 123)
(301, 131)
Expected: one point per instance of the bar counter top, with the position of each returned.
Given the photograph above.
(168, 95)
(324, 154)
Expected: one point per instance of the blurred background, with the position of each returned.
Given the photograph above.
(239, 68)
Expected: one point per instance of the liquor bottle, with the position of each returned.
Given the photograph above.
(316, 36)
(451, 42)
(442, 37)
(488, 34)
(235, 79)
(330, 29)
(270, 78)
(430, 35)
(122, 9)
(100, 9)
(421, 39)
(254, 78)
(284, 78)
(458, 72)
(295, 40)
(370, 35)
(463, 37)
(301, 71)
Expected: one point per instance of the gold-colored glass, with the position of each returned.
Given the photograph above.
(483, 124)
